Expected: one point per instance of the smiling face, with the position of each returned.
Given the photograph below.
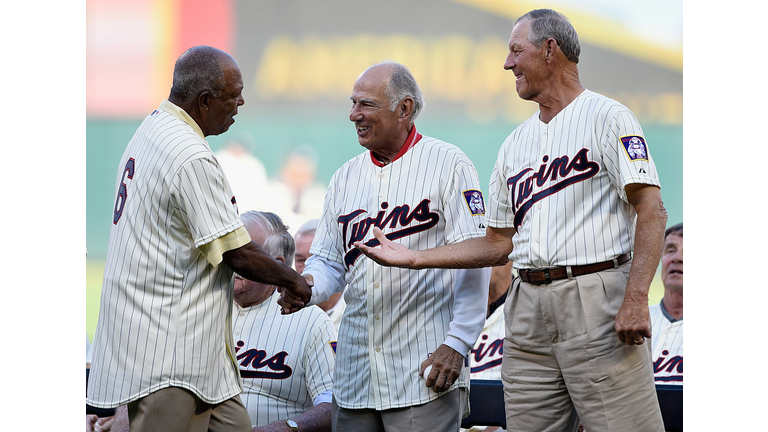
(222, 110)
(672, 262)
(527, 62)
(378, 129)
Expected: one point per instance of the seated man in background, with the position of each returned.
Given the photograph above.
(335, 305)
(667, 316)
(286, 361)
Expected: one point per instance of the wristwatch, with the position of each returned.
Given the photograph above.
(292, 424)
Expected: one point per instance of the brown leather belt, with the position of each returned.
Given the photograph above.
(547, 275)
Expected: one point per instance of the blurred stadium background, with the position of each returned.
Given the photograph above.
(299, 59)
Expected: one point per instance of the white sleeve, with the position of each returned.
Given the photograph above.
(326, 396)
(470, 306)
(329, 278)
(320, 358)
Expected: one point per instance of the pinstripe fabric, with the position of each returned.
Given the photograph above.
(267, 343)
(394, 317)
(485, 359)
(165, 317)
(667, 347)
(578, 213)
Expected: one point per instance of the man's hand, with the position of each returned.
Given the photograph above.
(390, 254)
(96, 424)
(446, 367)
(293, 300)
(633, 322)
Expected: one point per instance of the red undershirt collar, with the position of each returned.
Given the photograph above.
(411, 141)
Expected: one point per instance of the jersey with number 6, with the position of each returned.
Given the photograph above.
(165, 317)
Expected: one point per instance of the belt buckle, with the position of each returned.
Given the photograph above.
(547, 277)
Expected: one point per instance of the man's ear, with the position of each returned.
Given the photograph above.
(281, 259)
(204, 100)
(551, 44)
(406, 108)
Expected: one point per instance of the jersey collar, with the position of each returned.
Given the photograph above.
(182, 115)
(411, 141)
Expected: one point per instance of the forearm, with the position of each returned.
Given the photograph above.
(487, 251)
(316, 419)
(649, 239)
(252, 262)
(328, 278)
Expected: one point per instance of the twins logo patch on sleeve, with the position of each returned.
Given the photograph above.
(475, 202)
(635, 147)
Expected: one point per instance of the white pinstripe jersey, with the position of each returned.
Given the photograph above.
(485, 358)
(667, 346)
(394, 317)
(286, 361)
(165, 317)
(336, 312)
(561, 184)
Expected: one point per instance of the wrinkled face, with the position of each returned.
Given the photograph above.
(672, 262)
(223, 109)
(527, 62)
(376, 125)
(303, 242)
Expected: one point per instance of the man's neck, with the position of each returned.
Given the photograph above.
(560, 95)
(673, 303)
(389, 154)
(254, 297)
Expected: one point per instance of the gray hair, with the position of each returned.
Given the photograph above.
(403, 85)
(197, 70)
(308, 228)
(278, 241)
(676, 229)
(547, 23)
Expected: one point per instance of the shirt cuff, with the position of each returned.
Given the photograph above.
(214, 251)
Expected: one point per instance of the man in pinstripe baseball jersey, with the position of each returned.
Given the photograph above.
(397, 323)
(286, 361)
(667, 316)
(573, 194)
(163, 342)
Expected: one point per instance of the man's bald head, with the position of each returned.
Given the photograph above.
(200, 68)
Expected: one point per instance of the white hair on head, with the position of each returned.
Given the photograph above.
(278, 241)
(403, 85)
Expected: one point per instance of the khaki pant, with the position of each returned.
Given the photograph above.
(563, 360)
(443, 414)
(175, 409)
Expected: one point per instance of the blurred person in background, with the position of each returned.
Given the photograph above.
(583, 222)
(405, 335)
(286, 361)
(667, 316)
(246, 173)
(296, 193)
(163, 342)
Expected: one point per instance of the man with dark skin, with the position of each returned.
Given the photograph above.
(163, 343)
